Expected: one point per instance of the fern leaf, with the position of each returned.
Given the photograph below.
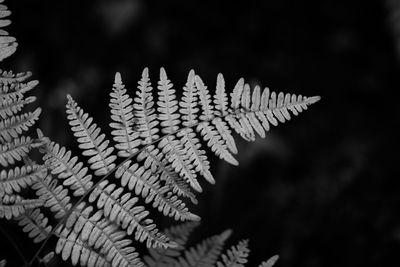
(9, 107)
(236, 256)
(14, 205)
(145, 116)
(213, 139)
(54, 197)
(16, 150)
(8, 44)
(146, 184)
(90, 140)
(188, 103)
(61, 163)
(34, 223)
(221, 105)
(204, 254)
(122, 209)
(12, 127)
(13, 90)
(270, 262)
(9, 77)
(156, 161)
(99, 234)
(122, 116)
(70, 245)
(19, 177)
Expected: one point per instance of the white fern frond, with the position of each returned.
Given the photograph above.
(16, 150)
(123, 210)
(8, 77)
(8, 44)
(70, 245)
(123, 120)
(236, 256)
(12, 127)
(12, 206)
(13, 90)
(91, 141)
(9, 107)
(14, 180)
(204, 254)
(99, 234)
(154, 160)
(55, 197)
(146, 184)
(67, 167)
(35, 224)
(144, 110)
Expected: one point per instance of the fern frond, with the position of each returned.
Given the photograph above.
(204, 254)
(14, 205)
(12, 127)
(61, 163)
(236, 256)
(8, 44)
(8, 77)
(122, 209)
(16, 150)
(34, 223)
(121, 113)
(270, 262)
(99, 234)
(19, 177)
(70, 245)
(10, 107)
(14, 90)
(144, 183)
(145, 116)
(93, 144)
(54, 196)
(156, 161)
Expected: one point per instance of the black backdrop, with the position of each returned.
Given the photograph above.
(321, 190)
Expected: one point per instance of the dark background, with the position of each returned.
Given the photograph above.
(320, 190)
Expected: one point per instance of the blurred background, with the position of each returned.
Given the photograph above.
(320, 190)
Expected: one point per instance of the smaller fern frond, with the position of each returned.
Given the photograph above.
(205, 253)
(123, 120)
(100, 234)
(67, 167)
(144, 183)
(91, 141)
(34, 223)
(16, 150)
(19, 177)
(12, 206)
(122, 209)
(8, 77)
(145, 116)
(270, 262)
(8, 44)
(70, 245)
(10, 107)
(54, 196)
(12, 127)
(236, 256)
